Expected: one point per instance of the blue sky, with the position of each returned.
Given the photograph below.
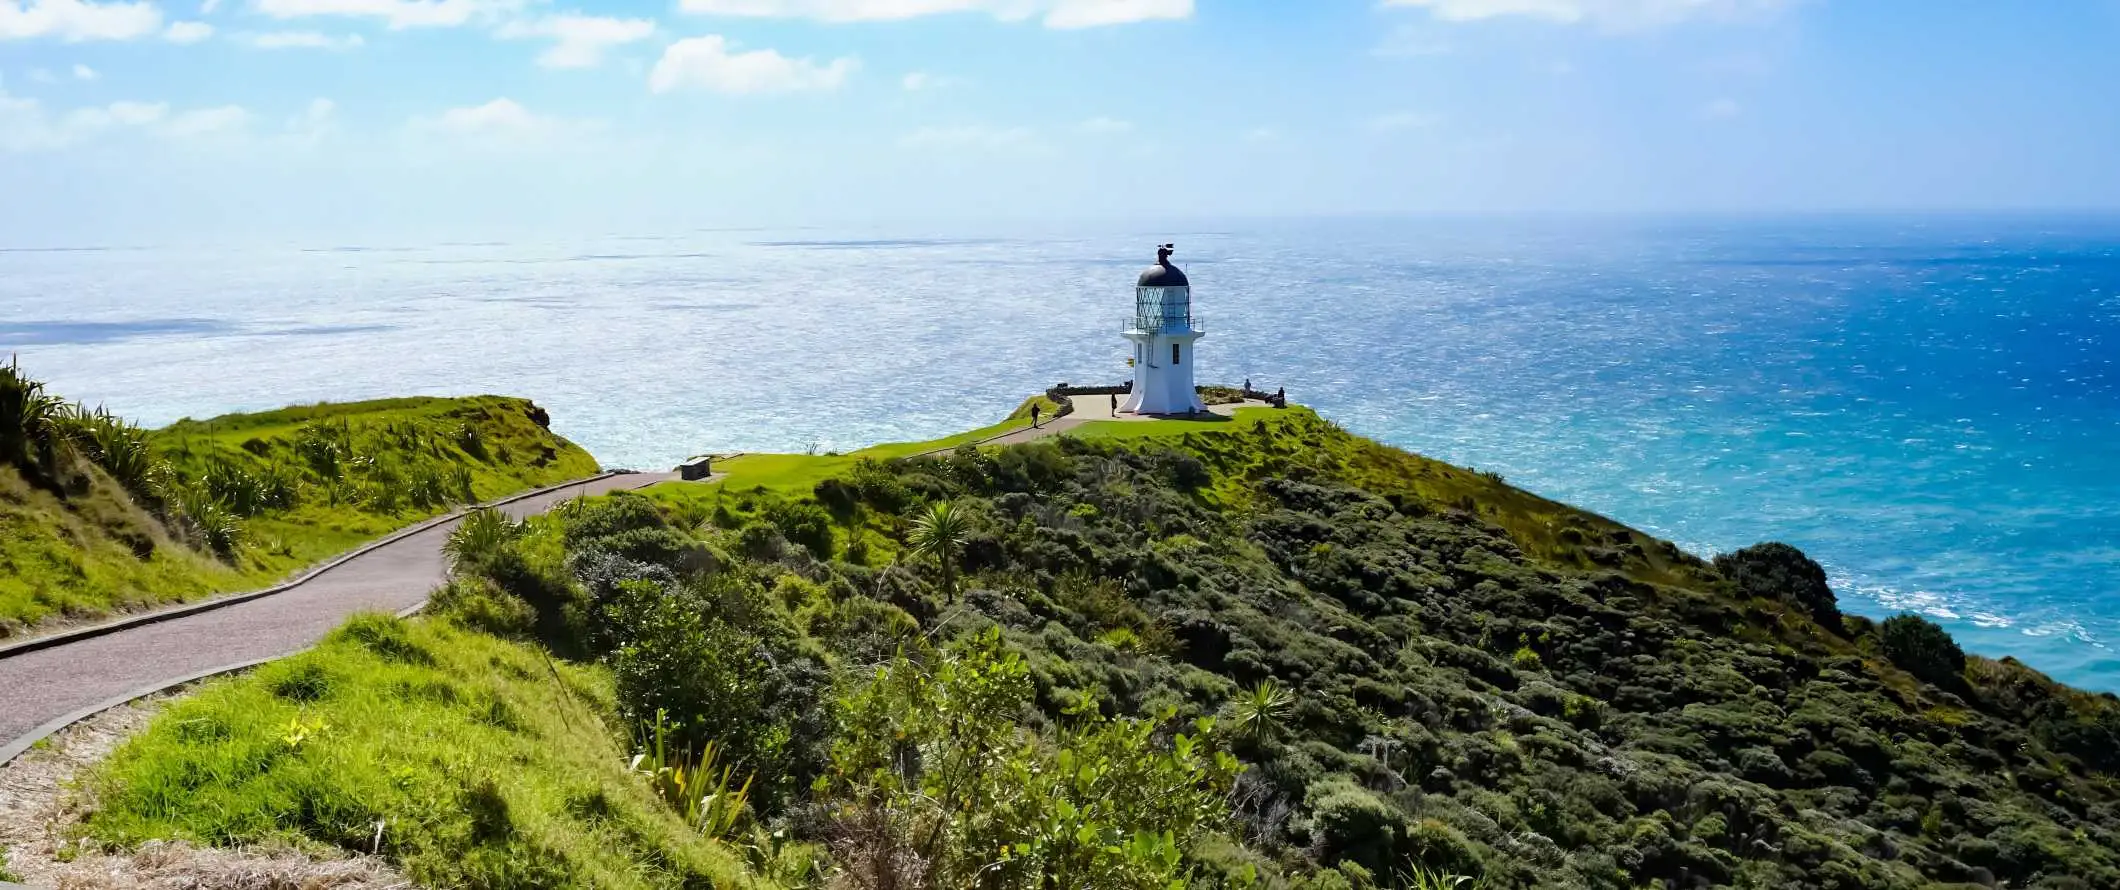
(158, 118)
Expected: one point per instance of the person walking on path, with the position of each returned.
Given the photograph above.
(1115, 404)
(1034, 415)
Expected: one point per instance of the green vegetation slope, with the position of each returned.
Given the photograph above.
(99, 516)
(1255, 653)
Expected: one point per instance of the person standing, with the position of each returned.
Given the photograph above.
(1034, 415)
(1115, 404)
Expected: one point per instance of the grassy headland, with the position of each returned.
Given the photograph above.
(98, 516)
(470, 761)
(1252, 653)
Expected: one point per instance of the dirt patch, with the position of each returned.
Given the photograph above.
(39, 805)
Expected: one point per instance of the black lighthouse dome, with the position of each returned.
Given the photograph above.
(1163, 274)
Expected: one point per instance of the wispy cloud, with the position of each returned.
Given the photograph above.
(500, 125)
(1720, 109)
(1053, 13)
(226, 120)
(1608, 14)
(396, 14)
(713, 63)
(78, 20)
(187, 32)
(918, 81)
(1409, 42)
(580, 41)
(27, 126)
(1400, 121)
(316, 122)
(302, 40)
(974, 136)
(83, 72)
(1107, 125)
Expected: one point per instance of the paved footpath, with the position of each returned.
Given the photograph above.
(48, 684)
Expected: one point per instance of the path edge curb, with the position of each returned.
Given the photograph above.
(28, 740)
(127, 623)
(22, 744)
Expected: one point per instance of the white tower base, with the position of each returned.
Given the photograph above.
(1163, 373)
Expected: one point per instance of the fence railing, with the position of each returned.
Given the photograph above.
(1171, 323)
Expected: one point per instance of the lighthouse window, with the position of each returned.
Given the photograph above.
(1173, 353)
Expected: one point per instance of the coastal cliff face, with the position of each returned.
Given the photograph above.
(1265, 654)
(98, 516)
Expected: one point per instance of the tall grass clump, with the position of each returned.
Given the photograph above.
(462, 759)
(479, 541)
(32, 421)
(703, 789)
(120, 448)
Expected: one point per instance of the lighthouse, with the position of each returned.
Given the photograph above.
(1162, 332)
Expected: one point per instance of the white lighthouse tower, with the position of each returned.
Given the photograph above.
(1162, 332)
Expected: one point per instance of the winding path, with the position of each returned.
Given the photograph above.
(44, 689)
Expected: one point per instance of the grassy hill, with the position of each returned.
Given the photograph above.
(1251, 653)
(97, 516)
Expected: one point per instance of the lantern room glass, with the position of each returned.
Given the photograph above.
(1163, 308)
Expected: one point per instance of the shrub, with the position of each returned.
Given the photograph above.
(804, 524)
(719, 663)
(605, 517)
(479, 604)
(1922, 648)
(934, 780)
(1351, 823)
(1778, 571)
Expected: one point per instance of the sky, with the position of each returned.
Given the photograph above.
(162, 119)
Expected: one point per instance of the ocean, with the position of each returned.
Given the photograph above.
(1928, 406)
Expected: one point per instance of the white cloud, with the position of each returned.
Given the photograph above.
(116, 114)
(187, 32)
(25, 125)
(303, 40)
(709, 63)
(501, 124)
(1409, 42)
(1096, 13)
(920, 80)
(1054, 13)
(970, 136)
(315, 122)
(1720, 109)
(1609, 14)
(581, 40)
(1399, 121)
(206, 122)
(77, 20)
(206, 7)
(397, 14)
(498, 116)
(1106, 125)
(83, 72)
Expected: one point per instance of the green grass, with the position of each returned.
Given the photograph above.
(92, 552)
(1154, 429)
(484, 763)
(798, 473)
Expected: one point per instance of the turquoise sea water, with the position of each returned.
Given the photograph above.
(1928, 406)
